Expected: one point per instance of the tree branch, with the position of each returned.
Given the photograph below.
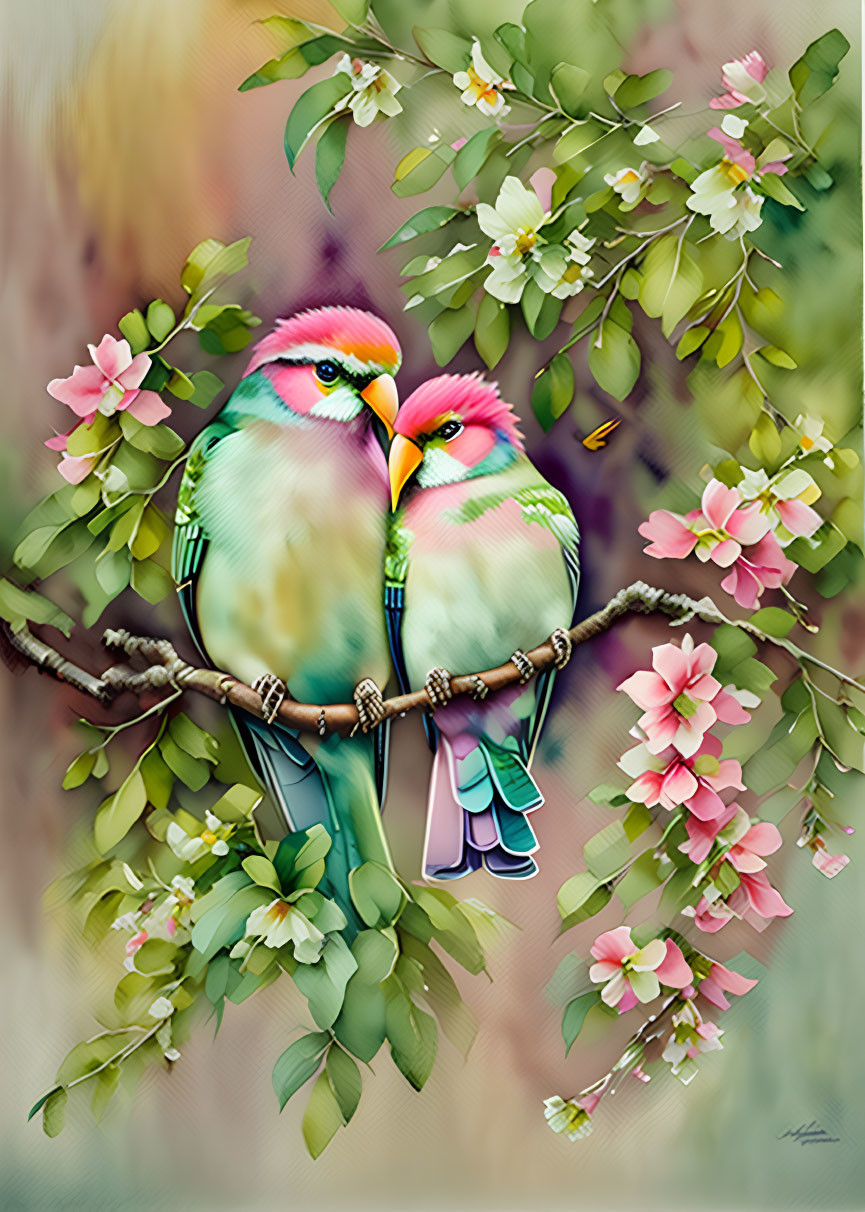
(166, 668)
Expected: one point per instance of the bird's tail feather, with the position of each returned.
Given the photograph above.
(477, 813)
(337, 789)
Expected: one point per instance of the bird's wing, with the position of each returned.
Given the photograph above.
(190, 538)
(395, 568)
(546, 506)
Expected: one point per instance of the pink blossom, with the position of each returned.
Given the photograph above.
(765, 567)
(73, 468)
(746, 855)
(669, 779)
(702, 834)
(680, 698)
(111, 384)
(742, 78)
(828, 864)
(632, 974)
(709, 916)
(723, 980)
(542, 181)
(589, 1102)
(717, 531)
(736, 153)
(137, 940)
(755, 892)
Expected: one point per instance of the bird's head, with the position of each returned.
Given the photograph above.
(330, 363)
(453, 428)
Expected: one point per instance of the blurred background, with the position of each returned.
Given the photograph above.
(124, 143)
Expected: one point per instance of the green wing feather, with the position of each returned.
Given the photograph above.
(190, 539)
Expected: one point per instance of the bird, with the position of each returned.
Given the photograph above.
(483, 557)
(278, 558)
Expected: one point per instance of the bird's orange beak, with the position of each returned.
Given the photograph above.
(381, 395)
(404, 459)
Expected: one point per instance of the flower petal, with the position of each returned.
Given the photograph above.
(146, 406)
(674, 970)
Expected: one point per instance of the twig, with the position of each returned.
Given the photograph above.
(166, 668)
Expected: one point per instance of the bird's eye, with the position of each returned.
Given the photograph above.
(450, 430)
(327, 372)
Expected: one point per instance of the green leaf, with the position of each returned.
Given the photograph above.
(576, 140)
(289, 66)
(431, 218)
(472, 156)
(194, 772)
(574, 1016)
(641, 878)
(636, 90)
(311, 108)
(54, 1113)
(765, 441)
(134, 329)
(322, 1118)
(778, 357)
(492, 330)
(262, 871)
(814, 74)
(412, 1034)
(376, 894)
(330, 157)
(207, 388)
(449, 331)
(553, 391)
(157, 440)
(297, 1064)
(567, 84)
(773, 621)
(575, 892)
(40, 1103)
(771, 184)
(443, 48)
(419, 170)
(588, 317)
(614, 360)
(150, 581)
(345, 1079)
(18, 606)
(196, 741)
(353, 12)
(79, 771)
(119, 812)
(160, 319)
(223, 925)
(607, 851)
(671, 282)
(180, 384)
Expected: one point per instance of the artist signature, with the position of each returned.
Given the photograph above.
(812, 1134)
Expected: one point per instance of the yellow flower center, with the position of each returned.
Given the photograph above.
(572, 273)
(278, 911)
(805, 442)
(482, 89)
(209, 837)
(526, 240)
(628, 177)
(734, 172)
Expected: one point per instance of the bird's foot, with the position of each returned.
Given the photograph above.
(369, 703)
(273, 691)
(525, 668)
(480, 689)
(438, 687)
(562, 647)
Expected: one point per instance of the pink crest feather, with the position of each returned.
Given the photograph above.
(473, 400)
(345, 330)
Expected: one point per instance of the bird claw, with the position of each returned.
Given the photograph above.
(438, 687)
(525, 668)
(273, 692)
(369, 703)
(479, 688)
(562, 647)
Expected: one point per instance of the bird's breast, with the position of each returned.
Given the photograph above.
(291, 581)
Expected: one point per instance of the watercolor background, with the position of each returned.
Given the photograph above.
(125, 142)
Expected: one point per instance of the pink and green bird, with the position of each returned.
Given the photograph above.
(482, 561)
(278, 557)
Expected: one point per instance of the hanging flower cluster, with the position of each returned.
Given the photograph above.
(743, 529)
